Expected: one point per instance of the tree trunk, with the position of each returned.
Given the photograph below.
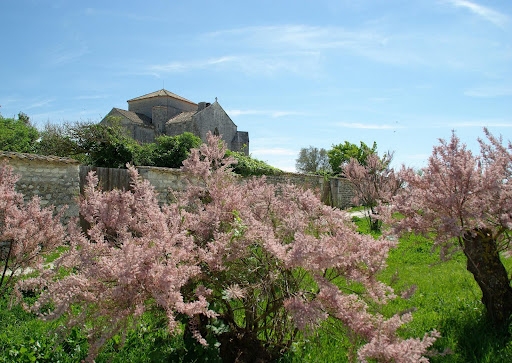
(483, 261)
(243, 347)
(7, 257)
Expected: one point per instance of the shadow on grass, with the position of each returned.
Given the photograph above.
(473, 339)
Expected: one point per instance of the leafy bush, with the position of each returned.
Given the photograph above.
(248, 166)
(167, 151)
(103, 145)
(17, 135)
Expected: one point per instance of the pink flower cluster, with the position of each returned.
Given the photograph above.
(459, 192)
(134, 252)
(27, 231)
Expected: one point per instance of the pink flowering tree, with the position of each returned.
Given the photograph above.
(135, 255)
(464, 202)
(373, 183)
(279, 263)
(27, 231)
(261, 264)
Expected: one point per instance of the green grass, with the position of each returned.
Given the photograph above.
(447, 299)
(24, 338)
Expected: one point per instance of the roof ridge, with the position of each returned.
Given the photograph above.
(134, 116)
(159, 93)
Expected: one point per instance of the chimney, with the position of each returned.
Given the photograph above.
(202, 105)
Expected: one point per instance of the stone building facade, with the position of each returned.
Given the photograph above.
(165, 113)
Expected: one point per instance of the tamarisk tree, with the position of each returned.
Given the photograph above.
(279, 261)
(373, 183)
(135, 256)
(465, 202)
(27, 231)
(263, 265)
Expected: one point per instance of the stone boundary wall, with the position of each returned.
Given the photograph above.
(57, 181)
(164, 180)
(336, 192)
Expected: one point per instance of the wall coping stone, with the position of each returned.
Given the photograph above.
(26, 156)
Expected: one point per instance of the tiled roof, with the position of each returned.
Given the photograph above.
(182, 117)
(24, 156)
(162, 92)
(135, 117)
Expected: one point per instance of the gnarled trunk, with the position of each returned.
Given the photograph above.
(483, 261)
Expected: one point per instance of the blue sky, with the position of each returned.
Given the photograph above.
(292, 73)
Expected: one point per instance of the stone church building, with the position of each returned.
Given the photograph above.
(165, 113)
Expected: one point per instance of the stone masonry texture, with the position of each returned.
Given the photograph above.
(57, 181)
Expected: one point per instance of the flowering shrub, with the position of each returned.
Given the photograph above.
(27, 231)
(279, 261)
(258, 264)
(134, 256)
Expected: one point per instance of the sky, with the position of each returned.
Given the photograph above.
(294, 74)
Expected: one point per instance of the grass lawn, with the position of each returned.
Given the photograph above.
(447, 299)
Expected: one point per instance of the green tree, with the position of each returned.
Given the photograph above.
(58, 140)
(169, 151)
(313, 160)
(17, 134)
(108, 145)
(341, 154)
(105, 145)
(249, 166)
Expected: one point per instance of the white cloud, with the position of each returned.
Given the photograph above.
(300, 37)
(38, 104)
(305, 50)
(485, 12)
(63, 54)
(250, 63)
(244, 112)
(427, 122)
(358, 125)
(298, 46)
(181, 66)
(445, 122)
(8, 101)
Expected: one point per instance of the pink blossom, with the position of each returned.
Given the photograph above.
(262, 260)
(27, 231)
